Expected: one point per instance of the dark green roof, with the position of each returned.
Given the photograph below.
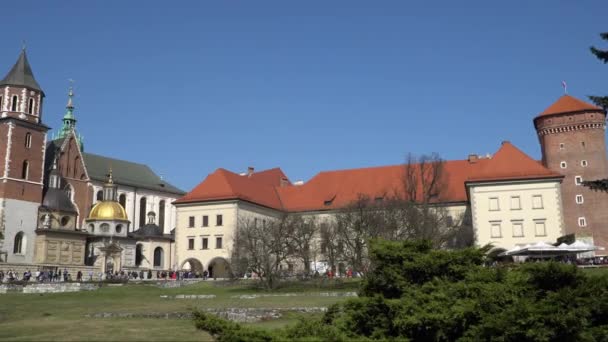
(126, 173)
(21, 74)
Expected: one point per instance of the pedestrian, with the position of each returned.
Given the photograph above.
(90, 275)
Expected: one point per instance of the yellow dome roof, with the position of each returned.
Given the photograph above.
(108, 210)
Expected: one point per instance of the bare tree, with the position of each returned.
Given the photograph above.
(303, 234)
(330, 247)
(263, 247)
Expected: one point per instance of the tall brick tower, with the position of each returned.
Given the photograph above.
(22, 149)
(572, 140)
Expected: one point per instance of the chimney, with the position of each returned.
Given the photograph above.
(250, 171)
(473, 158)
(284, 181)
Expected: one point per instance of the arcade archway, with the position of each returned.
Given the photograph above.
(193, 265)
(219, 268)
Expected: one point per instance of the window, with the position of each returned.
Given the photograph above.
(28, 140)
(218, 242)
(584, 163)
(579, 199)
(76, 163)
(191, 222)
(219, 220)
(122, 199)
(1, 104)
(30, 107)
(578, 180)
(205, 221)
(582, 222)
(495, 230)
(583, 144)
(190, 243)
(158, 257)
(561, 146)
(142, 211)
(515, 203)
(518, 229)
(449, 221)
(65, 220)
(494, 204)
(25, 170)
(19, 245)
(161, 215)
(92, 228)
(100, 195)
(539, 228)
(118, 228)
(537, 202)
(14, 104)
(105, 227)
(563, 165)
(205, 243)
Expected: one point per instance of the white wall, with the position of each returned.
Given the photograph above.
(508, 217)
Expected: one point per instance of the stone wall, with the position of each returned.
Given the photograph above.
(48, 287)
(73, 270)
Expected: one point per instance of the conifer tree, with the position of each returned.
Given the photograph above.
(602, 55)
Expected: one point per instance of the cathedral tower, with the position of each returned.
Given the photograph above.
(22, 145)
(571, 133)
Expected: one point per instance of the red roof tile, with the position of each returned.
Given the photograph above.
(568, 104)
(336, 189)
(511, 163)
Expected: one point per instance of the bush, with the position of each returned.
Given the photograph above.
(417, 293)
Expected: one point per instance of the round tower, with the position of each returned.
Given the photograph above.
(571, 133)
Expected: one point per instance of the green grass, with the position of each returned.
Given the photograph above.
(60, 316)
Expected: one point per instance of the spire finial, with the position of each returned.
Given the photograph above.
(23, 45)
(565, 86)
(110, 179)
(70, 104)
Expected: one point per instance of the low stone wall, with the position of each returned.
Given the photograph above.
(48, 287)
(72, 269)
(242, 315)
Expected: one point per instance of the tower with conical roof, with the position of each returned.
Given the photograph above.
(572, 133)
(23, 141)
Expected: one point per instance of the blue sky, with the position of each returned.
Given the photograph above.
(188, 87)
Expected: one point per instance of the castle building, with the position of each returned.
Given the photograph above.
(510, 199)
(49, 189)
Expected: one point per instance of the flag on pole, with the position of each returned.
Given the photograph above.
(565, 87)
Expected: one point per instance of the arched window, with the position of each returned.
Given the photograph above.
(161, 215)
(100, 195)
(1, 103)
(139, 256)
(19, 245)
(28, 140)
(25, 169)
(142, 212)
(14, 104)
(158, 257)
(30, 106)
(122, 199)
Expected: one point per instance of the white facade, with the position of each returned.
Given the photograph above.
(153, 201)
(509, 214)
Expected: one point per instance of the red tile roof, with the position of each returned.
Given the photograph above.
(568, 104)
(336, 189)
(511, 163)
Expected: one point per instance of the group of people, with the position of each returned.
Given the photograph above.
(40, 276)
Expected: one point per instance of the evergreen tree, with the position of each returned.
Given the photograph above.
(602, 55)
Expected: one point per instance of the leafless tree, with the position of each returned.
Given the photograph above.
(262, 247)
(303, 234)
(330, 246)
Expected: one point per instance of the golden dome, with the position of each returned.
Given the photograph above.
(108, 210)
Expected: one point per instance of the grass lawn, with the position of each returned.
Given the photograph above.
(35, 317)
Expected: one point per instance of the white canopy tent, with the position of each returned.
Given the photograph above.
(545, 250)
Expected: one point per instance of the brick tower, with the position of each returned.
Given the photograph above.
(22, 148)
(572, 140)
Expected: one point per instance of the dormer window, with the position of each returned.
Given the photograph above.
(14, 104)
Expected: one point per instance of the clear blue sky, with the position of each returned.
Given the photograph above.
(188, 87)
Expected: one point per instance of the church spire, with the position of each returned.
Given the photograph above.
(21, 74)
(69, 120)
